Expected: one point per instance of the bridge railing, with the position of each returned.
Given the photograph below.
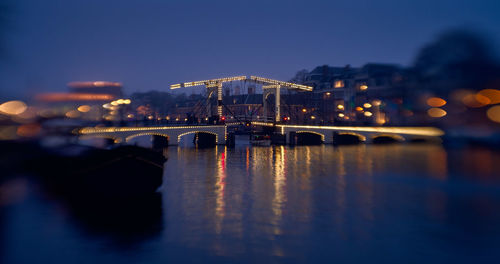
(244, 118)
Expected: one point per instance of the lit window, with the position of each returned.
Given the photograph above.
(339, 84)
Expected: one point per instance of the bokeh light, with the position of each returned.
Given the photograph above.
(13, 108)
(492, 94)
(436, 112)
(494, 113)
(475, 100)
(29, 130)
(376, 102)
(27, 116)
(84, 108)
(73, 114)
(436, 102)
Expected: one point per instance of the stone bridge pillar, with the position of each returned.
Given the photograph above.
(268, 90)
(160, 142)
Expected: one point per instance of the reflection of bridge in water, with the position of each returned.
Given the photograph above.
(288, 134)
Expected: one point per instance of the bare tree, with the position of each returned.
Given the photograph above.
(300, 77)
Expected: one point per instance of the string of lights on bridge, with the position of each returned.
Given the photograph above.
(257, 79)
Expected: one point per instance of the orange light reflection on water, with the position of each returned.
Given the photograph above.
(279, 199)
(220, 186)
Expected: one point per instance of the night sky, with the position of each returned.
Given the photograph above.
(150, 44)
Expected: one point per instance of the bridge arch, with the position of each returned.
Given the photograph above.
(307, 137)
(387, 138)
(198, 131)
(128, 138)
(346, 138)
(312, 132)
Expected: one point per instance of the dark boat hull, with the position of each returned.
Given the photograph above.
(125, 172)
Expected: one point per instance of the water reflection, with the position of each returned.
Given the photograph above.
(220, 184)
(310, 194)
(124, 224)
(297, 204)
(279, 198)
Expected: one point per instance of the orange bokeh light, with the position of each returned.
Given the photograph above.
(475, 100)
(492, 94)
(73, 114)
(436, 112)
(84, 108)
(494, 113)
(436, 102)
(62, 97)
(13, 107)
(28, 130)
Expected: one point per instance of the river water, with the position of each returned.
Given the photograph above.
(399, 203)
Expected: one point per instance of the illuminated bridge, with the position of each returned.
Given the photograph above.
(339, 134)
(282, 133)
(172, 133)
(269, 87)
(290, 134)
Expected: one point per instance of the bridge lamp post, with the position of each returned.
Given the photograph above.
(215, 87)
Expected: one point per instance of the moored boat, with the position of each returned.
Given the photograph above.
(117, 173)
(260, 140)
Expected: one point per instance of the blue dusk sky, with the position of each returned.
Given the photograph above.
(150, 44)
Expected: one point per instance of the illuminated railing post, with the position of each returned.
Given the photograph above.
(277, 103)
(219, 99)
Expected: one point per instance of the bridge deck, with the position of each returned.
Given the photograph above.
(327, 133)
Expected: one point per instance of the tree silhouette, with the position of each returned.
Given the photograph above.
(300, 77)
(456, 59)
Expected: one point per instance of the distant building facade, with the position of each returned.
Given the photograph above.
(371, 94)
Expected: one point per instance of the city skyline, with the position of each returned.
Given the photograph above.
(159, 43)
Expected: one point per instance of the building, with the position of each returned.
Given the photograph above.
(371, 94)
